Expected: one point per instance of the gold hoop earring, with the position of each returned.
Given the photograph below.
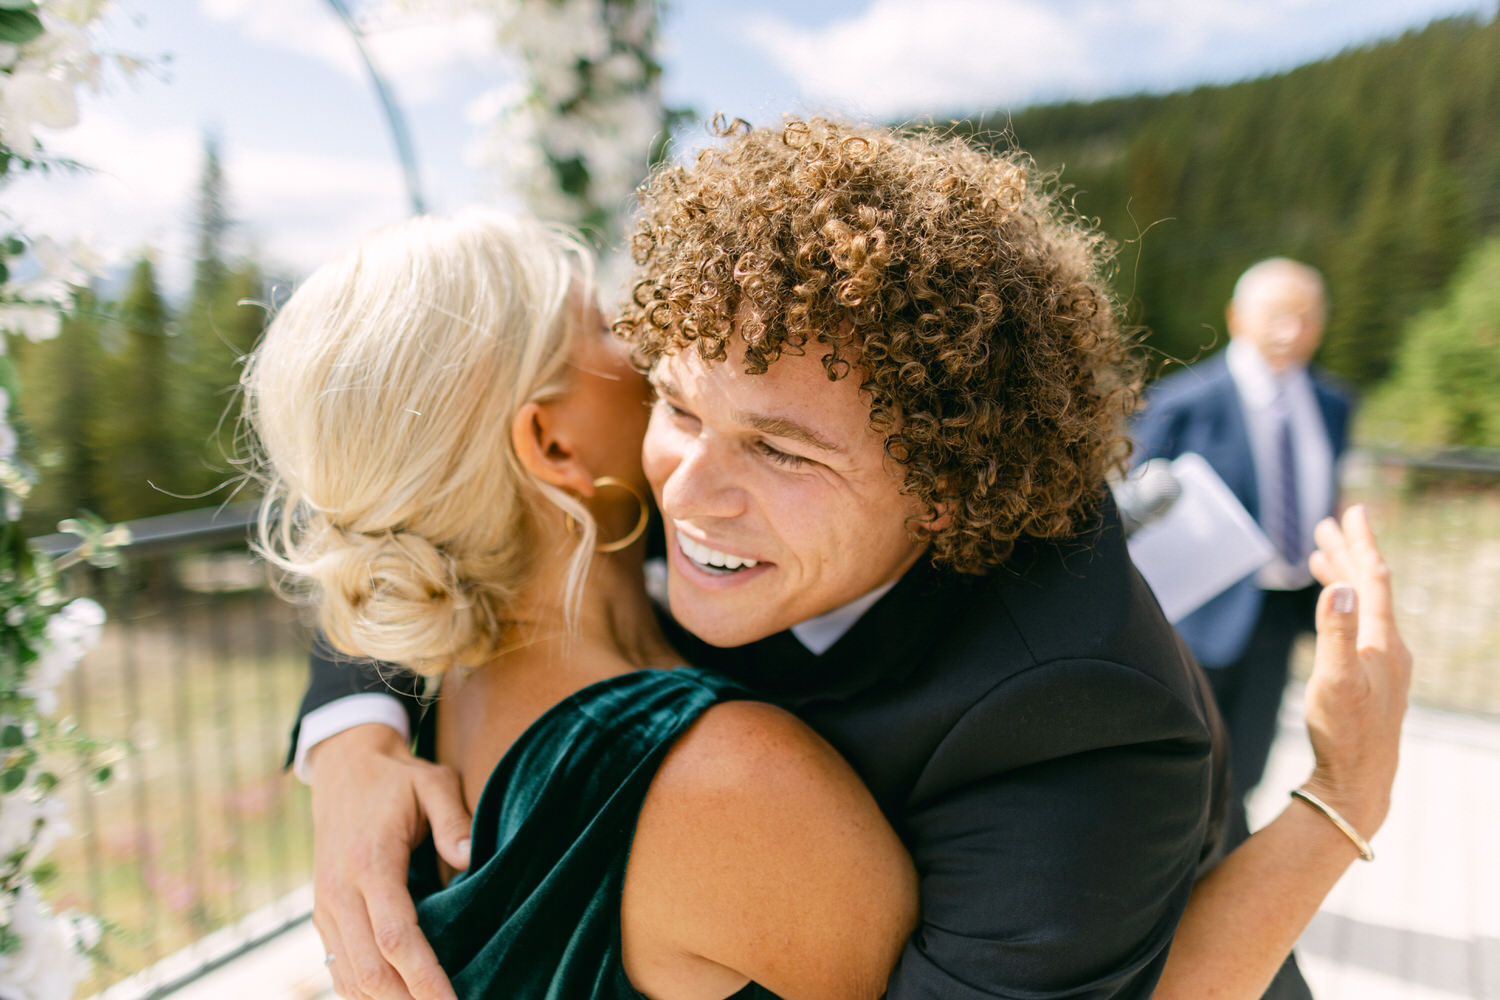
(640, 524)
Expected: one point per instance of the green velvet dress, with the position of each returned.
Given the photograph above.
(537, 915)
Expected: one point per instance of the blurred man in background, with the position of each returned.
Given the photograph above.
(1273, 429)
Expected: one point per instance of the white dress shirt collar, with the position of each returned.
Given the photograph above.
(820, 633)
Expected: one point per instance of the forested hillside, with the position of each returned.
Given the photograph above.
(1381, 166)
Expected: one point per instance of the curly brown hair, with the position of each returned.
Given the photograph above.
(967, 296)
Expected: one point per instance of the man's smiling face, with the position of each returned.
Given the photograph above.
(779, 502)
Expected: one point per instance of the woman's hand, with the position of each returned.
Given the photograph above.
(372, 803)
(1356, 696)
(1262, 896)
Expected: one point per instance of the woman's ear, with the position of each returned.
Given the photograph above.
(543, 449)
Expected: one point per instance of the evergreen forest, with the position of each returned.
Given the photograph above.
(1380, 166)
(132, 411)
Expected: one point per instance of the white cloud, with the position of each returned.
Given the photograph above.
(303, 208)
(422, 55)
(297, 208)
(911, 57)
(136, 193)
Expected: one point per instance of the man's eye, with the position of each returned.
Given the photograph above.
(673, 411)
(780, 457)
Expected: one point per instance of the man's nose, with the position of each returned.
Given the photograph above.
(702, 484)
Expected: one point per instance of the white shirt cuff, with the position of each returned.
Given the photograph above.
(346, 713)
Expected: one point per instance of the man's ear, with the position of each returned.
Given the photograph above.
(942, 519)
(930, 521)
(544, 450)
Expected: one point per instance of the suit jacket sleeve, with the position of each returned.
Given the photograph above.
(1157, 429)
(333, 675)
(1056, 831)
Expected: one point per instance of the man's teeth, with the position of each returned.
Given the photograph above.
(705, 556)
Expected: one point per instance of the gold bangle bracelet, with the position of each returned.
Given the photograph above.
(1366, 852)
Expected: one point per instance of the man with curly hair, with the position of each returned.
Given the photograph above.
(890, 382)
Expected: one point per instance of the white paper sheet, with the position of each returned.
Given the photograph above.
(1205, 544)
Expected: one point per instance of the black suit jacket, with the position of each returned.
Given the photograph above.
(1042, 742)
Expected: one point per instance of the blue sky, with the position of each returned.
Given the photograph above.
(309, 160)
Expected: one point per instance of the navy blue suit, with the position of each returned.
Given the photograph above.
(1238, 632)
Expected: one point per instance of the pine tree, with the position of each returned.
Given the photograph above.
(216, 330)
(139, 439)
(63, 413)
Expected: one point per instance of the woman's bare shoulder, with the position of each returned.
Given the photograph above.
(760, 853)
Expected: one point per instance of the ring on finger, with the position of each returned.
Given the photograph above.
(328, 958)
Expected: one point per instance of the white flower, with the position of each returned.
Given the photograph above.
(17, 822)
(116, 536)
(36, 323)
(48, 965)
(85, 259)
(77, 11)
(77, 626)
(60, 267)
(71, 632)
(31, 819)
(623, 69)
(31, 98)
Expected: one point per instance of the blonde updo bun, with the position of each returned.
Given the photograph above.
(381, 400)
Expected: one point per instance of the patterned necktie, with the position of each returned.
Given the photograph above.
(1284, 525)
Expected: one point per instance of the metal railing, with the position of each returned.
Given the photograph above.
(201, 669)
(1438, 516)
(198, 677)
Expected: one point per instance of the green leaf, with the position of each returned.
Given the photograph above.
(19, 26)
(9, 380)
(103, 774)
(12, 736)
(12, 778)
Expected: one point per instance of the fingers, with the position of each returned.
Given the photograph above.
(367, 817)
(442, 801)
(393, 924)
(1348, 552)
(1332, 561)
(1378, 618)
(359, 969)
(1336, 659)
(333, 946)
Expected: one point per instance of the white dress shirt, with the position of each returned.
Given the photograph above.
(817, 634)
(1264, 395)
